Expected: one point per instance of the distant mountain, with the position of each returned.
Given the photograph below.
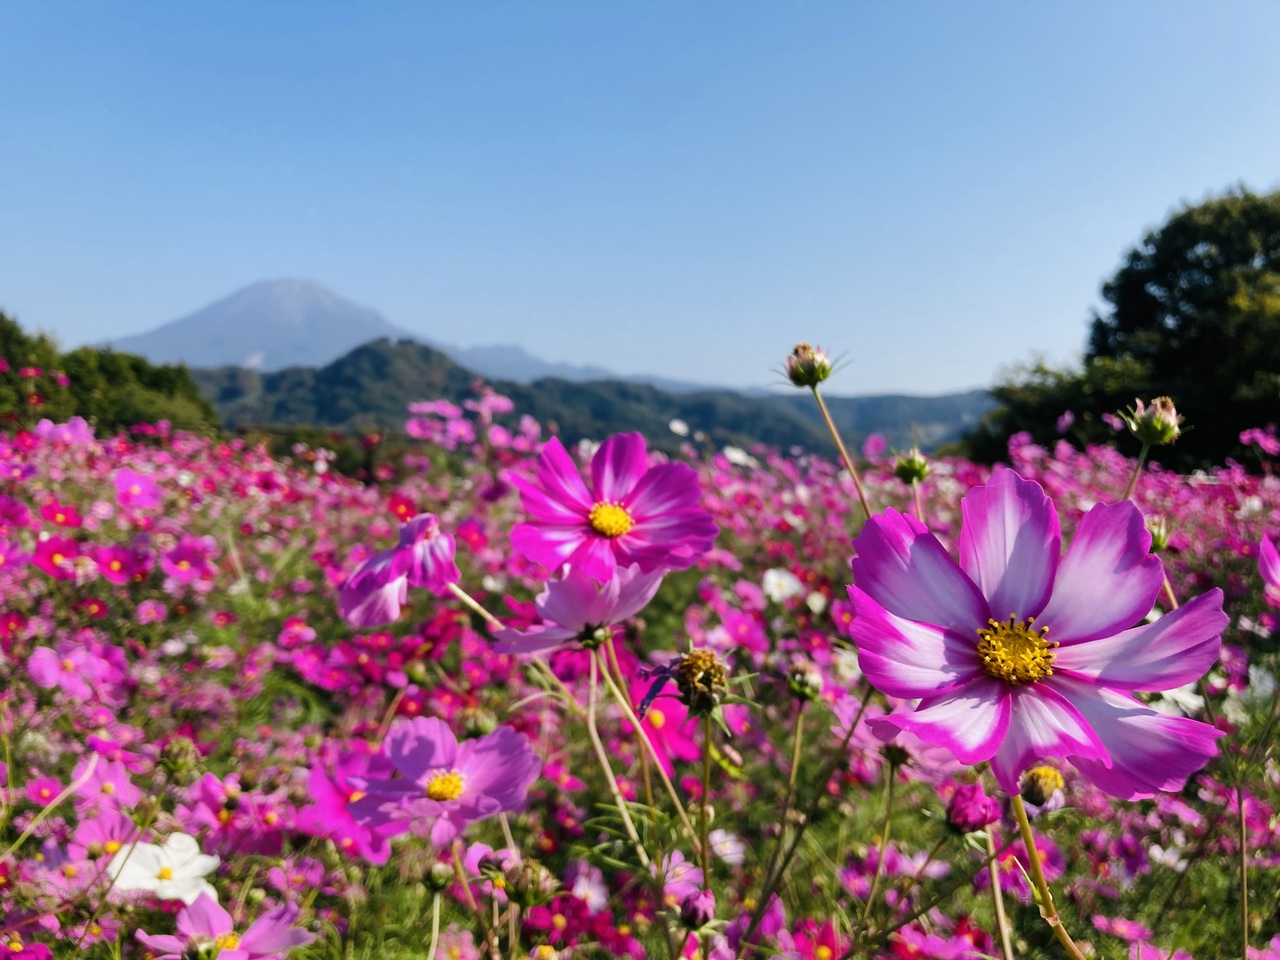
(370, 387)
(269, 325)
(299, 323)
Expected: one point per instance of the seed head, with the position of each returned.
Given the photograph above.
(702, 681)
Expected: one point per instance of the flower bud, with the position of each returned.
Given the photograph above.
(702, 681)
(970, 808)
(1042, 787)
(529, 883)
(1157, 424)
(477, 721)
(912, 467)
(808, 365)
(805, 681)
(439, 876)
(1158, 527)
(697, 909)
(180, 759)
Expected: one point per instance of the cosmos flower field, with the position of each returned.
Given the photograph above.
(515, 699)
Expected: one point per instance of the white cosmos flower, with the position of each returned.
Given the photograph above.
(173, 870)
(780, 584)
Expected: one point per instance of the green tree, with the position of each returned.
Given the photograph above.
(1193, 313)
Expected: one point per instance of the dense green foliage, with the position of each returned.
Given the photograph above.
(369, 388)
(1194, 314)
(112, 390)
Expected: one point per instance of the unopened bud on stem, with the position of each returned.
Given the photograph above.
(808, 365)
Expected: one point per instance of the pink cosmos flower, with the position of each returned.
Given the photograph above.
(136, 491)
(379, 587)
(633, 513)
(1020, 654)
(445, 784)
(576, 608)
(1269, 565)
(204, 925)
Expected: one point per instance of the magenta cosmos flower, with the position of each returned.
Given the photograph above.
(576, 610)
(446, 785)
(1269, 566)
(633, 513)
(379, 587)
(1019, 654)
(204, 928)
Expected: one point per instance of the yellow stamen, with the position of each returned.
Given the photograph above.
(1015, 652)
(610, 519)
(166, 873)
(111, 846)
(656, 719)
(445, 786)
(228, 941)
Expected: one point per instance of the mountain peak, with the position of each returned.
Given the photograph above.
(270, 324)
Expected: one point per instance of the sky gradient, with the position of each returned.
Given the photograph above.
(935, 191)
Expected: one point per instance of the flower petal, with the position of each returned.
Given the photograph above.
(422, 744)
(1108, 579)
(1043, 724)
(546, 508)
(618, 466)
(971, 722)
(903, 567)
(1009, 544)
(1177, 649)
(665, 488)
(560, 477)
(1151, 752)
(550, 546)
(904, 658)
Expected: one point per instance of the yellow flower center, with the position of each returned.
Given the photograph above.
(111, 846)
(445, 786)
(656, 719)
(1015, 652)
(610, 519)
(166, 873)
(228, 941)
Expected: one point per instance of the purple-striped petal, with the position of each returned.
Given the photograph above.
(618, 466)
(548, 509)
(1009, 544)
(560, 477)
(1108, 579)
(1151, 752)
(971, 722)
(1177, 649)
(903, 567)
(667, 488)
(1043, 724)
(595, 556)
(550, 546)
(907, 659)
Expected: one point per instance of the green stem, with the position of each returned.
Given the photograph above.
(602, 756)
(918, 499)
(891, 778)
(844, 454)
(435, 927)
(1137, 472)
(1047, 910)
(1244, 875)
(53, 805)
(997, 900)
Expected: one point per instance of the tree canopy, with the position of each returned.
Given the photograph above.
(1193, 313)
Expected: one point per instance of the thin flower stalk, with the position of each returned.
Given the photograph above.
(1044, 897)
(891, 777)
(997, 898)
(844, 453)
(606, 767)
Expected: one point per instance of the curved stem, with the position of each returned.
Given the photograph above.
(1047, 909)
(1244, 874)
(435, 927)
(475, 606)
(918, 499)
(844, 454)
(602, 756)
(997, 900)
(56, 802)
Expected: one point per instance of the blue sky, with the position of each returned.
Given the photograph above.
(934, 190)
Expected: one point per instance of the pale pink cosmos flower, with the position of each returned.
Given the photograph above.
(205, 928)
(379, 587)
(1020, 654)
(576, 608)
(632, 513)
(1269, 566)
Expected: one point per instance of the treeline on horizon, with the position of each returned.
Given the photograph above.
(1193, 314)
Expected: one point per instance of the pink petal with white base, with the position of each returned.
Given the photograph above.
(1009, 544)
(1151, 752)
(1043, 724)
(1108, 579)
(903, 567)
(667, 487)
(560, 477)
(618, 466)
(907, 659)
(970, 723)
(1175, 650)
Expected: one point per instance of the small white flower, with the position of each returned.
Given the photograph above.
(739, 457)
(1182, 702)
(679, 427)
(816, 602)
(172, 870)
(727, 847)
(780, 584)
